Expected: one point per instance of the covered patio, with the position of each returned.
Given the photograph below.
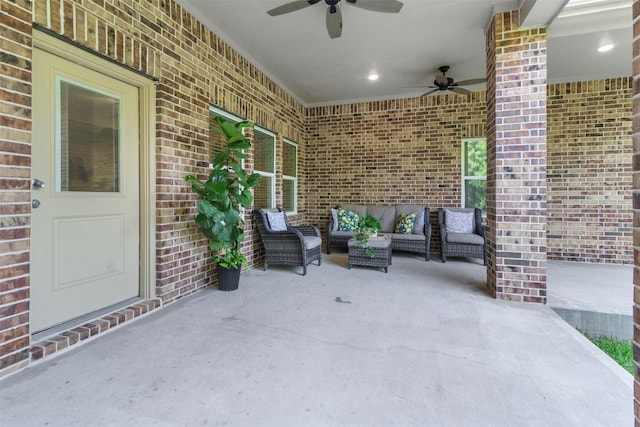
(425, 344)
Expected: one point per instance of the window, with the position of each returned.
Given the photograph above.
(290, 176)
(474, 173)
(264, 163)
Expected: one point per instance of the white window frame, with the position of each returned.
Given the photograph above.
(466, 178)
(294, 179)
(272, 175)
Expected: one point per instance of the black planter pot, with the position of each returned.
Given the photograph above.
(228, 278)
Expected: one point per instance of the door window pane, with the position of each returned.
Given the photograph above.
(88, 140)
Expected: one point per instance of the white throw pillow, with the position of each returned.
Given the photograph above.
(459, 222)
(334, 215)
(276, 221)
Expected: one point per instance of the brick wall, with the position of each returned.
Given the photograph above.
(517, 160)
(388, 152)
(589, 164)
(15, 174)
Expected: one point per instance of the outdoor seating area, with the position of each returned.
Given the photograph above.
(403, 228)
(406, 225)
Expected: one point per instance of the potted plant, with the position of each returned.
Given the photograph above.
(222, 198)
(368, 227)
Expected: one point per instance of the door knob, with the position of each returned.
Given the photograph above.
(36, 184)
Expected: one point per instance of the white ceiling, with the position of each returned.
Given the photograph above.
(407, 48)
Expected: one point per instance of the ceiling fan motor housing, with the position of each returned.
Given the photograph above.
(334, 16)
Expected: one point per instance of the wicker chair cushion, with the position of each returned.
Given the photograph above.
(347, 220)
(469, 238)
(407, 237)
(341, 233)
(311, 242)
(418, 226)
(277, 221)
(459, 222)
(405, 223)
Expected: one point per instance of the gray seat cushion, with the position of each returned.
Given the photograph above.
(398, 236)
(311, 242)
(469, 238)
(340, 233)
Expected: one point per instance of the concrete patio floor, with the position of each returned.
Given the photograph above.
(424, 345)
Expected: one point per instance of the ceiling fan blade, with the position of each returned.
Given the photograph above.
(386, 6)
(429, 92)
(334, 22)
(459, 90)
(291, 7)
(471, 82)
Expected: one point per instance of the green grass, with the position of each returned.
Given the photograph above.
(620, 351)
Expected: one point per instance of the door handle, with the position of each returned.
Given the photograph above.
(36, 184)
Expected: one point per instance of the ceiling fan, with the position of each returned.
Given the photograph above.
(334, 17)
(442, 82)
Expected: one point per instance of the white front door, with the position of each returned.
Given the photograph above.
(85, 191)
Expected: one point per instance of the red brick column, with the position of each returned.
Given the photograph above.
(15, 173)
(636, 208)
(516, 160)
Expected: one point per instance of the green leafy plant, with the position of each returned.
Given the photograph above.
(367, 225)
(224, 194)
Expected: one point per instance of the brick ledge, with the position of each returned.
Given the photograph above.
(70, 338)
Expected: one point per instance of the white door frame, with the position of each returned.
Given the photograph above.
(147, 170)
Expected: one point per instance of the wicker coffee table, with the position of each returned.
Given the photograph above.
(381, 247)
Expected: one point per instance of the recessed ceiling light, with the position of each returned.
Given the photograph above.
(606, 47)
(373, 76)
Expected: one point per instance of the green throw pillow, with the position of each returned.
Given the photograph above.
(347, 220)
(405, 223)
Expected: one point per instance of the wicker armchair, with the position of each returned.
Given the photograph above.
(462, 244)
(298, 245)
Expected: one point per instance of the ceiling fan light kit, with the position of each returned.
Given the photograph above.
(334, 16)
